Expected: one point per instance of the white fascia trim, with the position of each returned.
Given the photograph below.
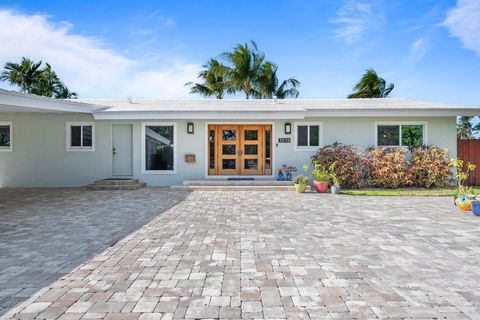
(393, 113)
(68, 133)
(142, 149)
(199, 115)
(320, 138)
(400, 123)
(10, 124)
(33, 103)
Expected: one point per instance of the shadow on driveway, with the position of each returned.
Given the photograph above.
(46, 233)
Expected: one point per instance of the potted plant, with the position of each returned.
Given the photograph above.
(335, 187)
(300, 183)
(464, 194)
(280, 176)
(288, 171)
(321, 177)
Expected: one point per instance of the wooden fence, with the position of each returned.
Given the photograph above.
(469, 151)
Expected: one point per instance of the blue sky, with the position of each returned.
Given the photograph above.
(430, 49)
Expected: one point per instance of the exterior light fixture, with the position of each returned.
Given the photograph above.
(190, 127)
(288, 128)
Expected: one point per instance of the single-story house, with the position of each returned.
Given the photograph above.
(60, 143)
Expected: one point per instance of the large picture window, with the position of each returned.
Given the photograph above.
(308, 136)
(400, 134)
(5, 136)
(159, 148)
(80, 136)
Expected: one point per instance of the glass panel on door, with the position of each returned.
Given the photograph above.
(229, 135)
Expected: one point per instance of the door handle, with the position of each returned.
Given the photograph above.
(114, 151)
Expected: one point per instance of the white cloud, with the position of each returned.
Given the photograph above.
(354, 19)
(463, 22)
(86, 65)
(418, 49)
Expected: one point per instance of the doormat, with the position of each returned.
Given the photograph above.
(240, 179)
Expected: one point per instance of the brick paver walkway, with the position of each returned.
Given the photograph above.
(239, 255)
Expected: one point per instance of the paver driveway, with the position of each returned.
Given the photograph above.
(237, 255)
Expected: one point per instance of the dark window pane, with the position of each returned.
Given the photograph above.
(228, 164)
(267, 144)
(251, 164)
(159, 148)
(412, 135)
(267, 164)
(5, 136)
(87, 136)
(251, 149)
(76, 136)
(212, 149)
(251, 134)
(229, 135)
(229, 149)
(388, 135)
(314, 136)
(302, 139)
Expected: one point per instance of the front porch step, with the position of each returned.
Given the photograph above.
(116, 184)
(238, 183)
(236, 188)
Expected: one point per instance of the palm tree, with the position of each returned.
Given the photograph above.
(246, 68)
(465, 128)
(269, 84)
(62, 92)
(371, 86)
(24, 74)
(214, 80)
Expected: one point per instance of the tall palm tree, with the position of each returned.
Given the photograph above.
(465, 128)
(246, 68)
(214, 80)
(24, 74)
(371, 86)
(269, 86)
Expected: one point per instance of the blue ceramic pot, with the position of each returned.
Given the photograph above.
(280, 177)
(288, 176)
(476, 208)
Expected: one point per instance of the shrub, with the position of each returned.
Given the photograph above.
(301, 179)
(387, 167)
(348, 163)
(429, 166)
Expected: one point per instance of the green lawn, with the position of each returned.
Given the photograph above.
(404, 192)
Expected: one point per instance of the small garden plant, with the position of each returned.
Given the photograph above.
(462, 173)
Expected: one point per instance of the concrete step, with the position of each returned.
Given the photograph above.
(221, 182)
(116, 184)
(236, 188)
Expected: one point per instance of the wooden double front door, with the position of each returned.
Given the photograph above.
(240, 149)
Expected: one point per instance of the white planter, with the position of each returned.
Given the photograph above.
(335, 189)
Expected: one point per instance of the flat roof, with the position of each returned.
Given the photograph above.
(12, 101)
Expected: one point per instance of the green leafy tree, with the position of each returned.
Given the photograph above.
(269, 85)
(246, 68)
(465, 128)
(371, 86)
(214, 80)
(31, 78)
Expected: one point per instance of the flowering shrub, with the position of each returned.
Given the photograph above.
(387, 167)
(348, 163)
(429, 166)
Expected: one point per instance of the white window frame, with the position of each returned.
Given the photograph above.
(10, 124)
(320, 138)
(68, 136)
(142, 149)
(400, 124)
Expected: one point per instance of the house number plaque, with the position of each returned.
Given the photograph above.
(284, 140)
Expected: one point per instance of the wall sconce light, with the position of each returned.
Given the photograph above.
(288, 128)
(190, 127)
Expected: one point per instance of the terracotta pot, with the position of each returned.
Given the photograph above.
(300, 188)
(320, 186)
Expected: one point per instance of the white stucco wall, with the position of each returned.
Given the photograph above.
(39, 157)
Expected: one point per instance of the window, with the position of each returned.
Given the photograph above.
(6, 136)
(308, 136)
(80, 136)
(158, 154)
(400, 134)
